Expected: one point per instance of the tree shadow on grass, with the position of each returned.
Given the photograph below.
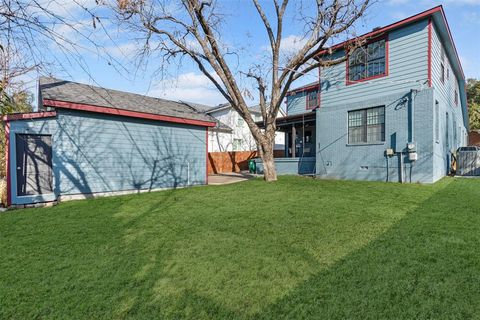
(425, 267)
(238, 263)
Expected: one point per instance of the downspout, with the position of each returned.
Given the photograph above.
(411, 139)
(7, 162)
(411, 118)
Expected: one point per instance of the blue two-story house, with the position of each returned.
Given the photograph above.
(395, 110)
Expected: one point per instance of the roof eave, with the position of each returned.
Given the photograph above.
(124, 112)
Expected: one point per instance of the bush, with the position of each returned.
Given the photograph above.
(3, 192)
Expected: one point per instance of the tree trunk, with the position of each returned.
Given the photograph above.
(266, 153)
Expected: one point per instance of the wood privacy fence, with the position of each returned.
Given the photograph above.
(474, 138)
(235, 161)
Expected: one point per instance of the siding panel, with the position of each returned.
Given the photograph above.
(97, 153)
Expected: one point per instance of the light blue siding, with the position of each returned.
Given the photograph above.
(408, 68)
(445, 95)
(336, 159)
(297, 103)
(99, 153)
(408, 114)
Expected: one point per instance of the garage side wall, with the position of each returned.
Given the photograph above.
(95, 153)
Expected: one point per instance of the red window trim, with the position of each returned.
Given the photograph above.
(307, 105)
(349, 82)
(302, 89)
(125, 113)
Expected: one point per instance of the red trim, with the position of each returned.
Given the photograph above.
(31, 115)
(430, 52)
(451, 39)
(349, 82)
(302, 89)
(307, 105)
(389, 27)
(7, 155)
(123, 112)
(206, 139)
(396, 25)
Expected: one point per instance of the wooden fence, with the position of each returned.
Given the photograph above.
(474, 138)
(235, 161)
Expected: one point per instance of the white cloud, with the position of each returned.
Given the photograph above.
(292, 43)
(125, 50)
(189, 86)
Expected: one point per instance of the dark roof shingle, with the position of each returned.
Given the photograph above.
(68, 91)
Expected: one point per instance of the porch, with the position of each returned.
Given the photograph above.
(299, 154)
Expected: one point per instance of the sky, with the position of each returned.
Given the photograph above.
(115, 67)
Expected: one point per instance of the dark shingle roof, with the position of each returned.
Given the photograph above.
(220, 126)
(62, 90)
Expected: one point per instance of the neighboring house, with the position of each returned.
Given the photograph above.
(88, 141)
(393, 111)
(231, 132)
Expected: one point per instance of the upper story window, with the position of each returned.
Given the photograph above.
(366, 125)
(368, 62)
(312, 99)
(456, 97)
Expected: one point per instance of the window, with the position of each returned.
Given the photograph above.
(312, 99)
(366, 125)
(237, 144)
(454, 132)
(437, 121)
(240, 121)
(368, 62)
(456, 97)
(448, 74)
(442, 72)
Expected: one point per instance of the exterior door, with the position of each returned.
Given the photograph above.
(34, 164)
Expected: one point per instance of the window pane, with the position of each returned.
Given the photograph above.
(312, 99)
(376, 133)
(357, 64)
(356, 126)
(368, 62)
(375, 115)
(367, 125)
(356, 134)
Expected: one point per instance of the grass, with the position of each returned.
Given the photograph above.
(298, 248)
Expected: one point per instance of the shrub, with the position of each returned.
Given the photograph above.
(3, 192)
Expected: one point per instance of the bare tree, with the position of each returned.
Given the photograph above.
(192, 29)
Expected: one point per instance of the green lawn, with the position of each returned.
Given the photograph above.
(298, 248)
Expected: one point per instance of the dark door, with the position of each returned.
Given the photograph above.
(34, 164)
